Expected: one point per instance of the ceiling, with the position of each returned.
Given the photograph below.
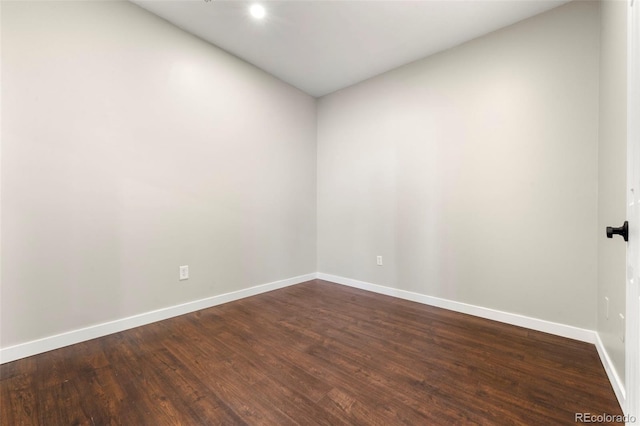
(323, 46)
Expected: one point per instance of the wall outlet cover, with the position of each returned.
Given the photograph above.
(184, 272)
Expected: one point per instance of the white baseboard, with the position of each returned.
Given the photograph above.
(562, 330)
(612, 374)
(35, 347)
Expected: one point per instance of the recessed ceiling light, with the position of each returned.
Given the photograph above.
(257, 11)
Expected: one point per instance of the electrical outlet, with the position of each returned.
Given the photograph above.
(622, 327)
(606, 308)
(379, 260)
(184, 272)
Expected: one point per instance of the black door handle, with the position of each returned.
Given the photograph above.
(623, 230)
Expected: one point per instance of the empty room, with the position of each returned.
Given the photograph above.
(319, 212)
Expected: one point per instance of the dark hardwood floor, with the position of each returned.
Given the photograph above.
(315, 353)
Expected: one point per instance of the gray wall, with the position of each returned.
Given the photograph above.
(130, 148)
(612, 177)
(473, 172)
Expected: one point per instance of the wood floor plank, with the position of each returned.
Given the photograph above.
(314, 353)
(18, 401)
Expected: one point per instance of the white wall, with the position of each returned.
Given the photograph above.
(129, 148)
(612, 177)
(472, 172)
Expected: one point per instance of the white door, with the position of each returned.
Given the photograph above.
(632, 335)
